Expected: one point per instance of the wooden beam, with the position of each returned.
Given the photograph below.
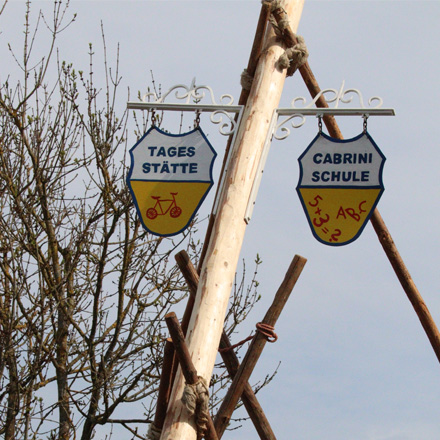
(186, 364)
(218, 270)
(407, 282)
(234, 393)
(309, 78)
(257, 47)
(376, 220)
(249, 399)
(229, 357)
(165, 385)
(169, 366)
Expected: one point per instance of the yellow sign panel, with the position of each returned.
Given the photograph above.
(169, 177)
(337, 214)
(167, 207)
(340, 185)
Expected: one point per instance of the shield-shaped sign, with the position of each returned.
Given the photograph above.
(340, 184)
(169, 177)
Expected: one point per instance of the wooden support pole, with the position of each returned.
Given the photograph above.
(169, 366)
(249, 399)
(189, 272)
(376, 220)
(218, 270)
(407, 282)
(309, 78)
(229, 357)
(189, 372)
(165, 385)
(257, 47)
(255, 349)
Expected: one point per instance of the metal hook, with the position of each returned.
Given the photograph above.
(153, 117)
(197, 119)
(365, 122)
(319, 123)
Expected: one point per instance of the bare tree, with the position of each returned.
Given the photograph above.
(84, 288)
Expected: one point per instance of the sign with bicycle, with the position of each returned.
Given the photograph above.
(340, 185)
(170, 175)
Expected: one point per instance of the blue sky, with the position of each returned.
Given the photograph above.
(355, 362)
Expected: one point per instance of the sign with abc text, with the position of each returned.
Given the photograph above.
(170, 175)
(340, 185)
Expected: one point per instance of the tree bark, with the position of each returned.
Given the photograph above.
(13, 393)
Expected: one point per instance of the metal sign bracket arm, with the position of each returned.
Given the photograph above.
(279, 131)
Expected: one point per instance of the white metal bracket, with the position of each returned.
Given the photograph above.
(197, 99)
(194, 97)
(334, 98)
(296, 115)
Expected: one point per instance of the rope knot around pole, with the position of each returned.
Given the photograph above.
(282, 25)
(275, 4)
(294, 57)
(154, 432)
(196, 400)
(268, 331)
(296, 53)
(246, 80)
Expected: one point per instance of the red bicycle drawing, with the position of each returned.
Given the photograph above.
(158, 208)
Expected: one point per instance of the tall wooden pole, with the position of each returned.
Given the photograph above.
(229, 357)
(257, 47)
(218, 270)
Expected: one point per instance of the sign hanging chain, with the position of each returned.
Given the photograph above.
(365, 123)
(320, 124)
(197, 119)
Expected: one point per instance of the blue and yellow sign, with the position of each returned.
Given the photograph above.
(169, 177)
(340, 185)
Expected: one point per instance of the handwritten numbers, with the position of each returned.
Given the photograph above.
(333, 219)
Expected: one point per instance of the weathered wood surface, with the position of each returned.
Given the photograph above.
(257, 48)
(407, 282)
(229, 357)
(218, 270)
(169, 367)
(167, 376)
(255, 349)
(188, 369)
(165, 385)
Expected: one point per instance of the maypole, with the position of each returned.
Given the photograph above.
(219, 267)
